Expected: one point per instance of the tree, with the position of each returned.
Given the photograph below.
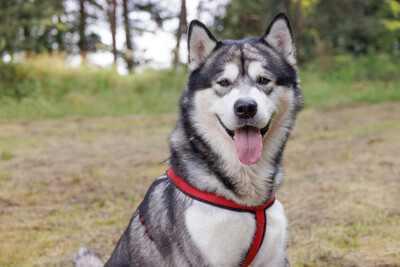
(347, 26)
(112, 19)
(158, 12)
(82, 43)
(129, 48)
(8, 24)
(246, 18)
(320, 26)
(87, 42)
(299, 18)
(30, 27)
(182, 28)
(60, 25)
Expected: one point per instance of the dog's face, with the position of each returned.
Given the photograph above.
(243, 89)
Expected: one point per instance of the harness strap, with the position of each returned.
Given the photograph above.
(258, 236)
(222, 202)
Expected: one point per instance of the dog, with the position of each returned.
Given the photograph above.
(216, 205)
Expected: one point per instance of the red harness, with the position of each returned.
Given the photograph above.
(219, 201)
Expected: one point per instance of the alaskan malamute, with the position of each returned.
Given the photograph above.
(216, 205)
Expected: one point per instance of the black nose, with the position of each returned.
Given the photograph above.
(245, 108)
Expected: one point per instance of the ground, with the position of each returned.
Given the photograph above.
(75, 182)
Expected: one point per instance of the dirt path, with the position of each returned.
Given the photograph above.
(76, 182)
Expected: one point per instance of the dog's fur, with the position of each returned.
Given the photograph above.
(186, 232)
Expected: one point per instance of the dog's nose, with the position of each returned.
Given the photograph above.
(245, 108)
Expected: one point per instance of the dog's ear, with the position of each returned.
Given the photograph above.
(279, 35)
(201, 43)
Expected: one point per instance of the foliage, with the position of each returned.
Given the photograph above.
(350, 26)
(33, 90)
(320, 27)
(30, 26)
(246, 18)
(16, 82)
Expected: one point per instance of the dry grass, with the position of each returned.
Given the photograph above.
(75, 182)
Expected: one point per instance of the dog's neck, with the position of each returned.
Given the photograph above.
(203, 168)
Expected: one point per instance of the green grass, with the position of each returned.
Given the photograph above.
(43, 87)
(6, 155)
(342, 80)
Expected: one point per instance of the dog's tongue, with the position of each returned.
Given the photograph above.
(248, 143)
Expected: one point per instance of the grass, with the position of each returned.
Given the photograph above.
(43, 87)
(6, 155)
(76, 180)
(35, 90)
(79, 185)
(342, 80)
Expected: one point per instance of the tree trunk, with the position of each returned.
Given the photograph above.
(59, 36)
(243, 26)
(129, 47)
(112, 9)
(299, 20)
(83, 45)
(298, 29)
(27, 36)
(181, 29)
(287, 6)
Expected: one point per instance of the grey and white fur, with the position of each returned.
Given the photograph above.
(249, 84)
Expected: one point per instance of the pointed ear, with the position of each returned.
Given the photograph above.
(279, 35)
(201, 44)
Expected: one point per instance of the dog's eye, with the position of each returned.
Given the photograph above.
(263, 80)
(224, 82)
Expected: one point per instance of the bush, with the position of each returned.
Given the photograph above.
(15, 82)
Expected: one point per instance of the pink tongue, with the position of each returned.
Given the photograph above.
(248, 143)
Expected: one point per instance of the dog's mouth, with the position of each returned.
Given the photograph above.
(248, 141)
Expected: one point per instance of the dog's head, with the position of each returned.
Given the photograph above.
(240, 91)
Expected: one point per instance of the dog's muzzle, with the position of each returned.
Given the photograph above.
(231, 133)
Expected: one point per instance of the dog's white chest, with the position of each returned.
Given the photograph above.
(225, 236)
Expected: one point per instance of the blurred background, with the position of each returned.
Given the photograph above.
(50, 48)
(88, 97)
